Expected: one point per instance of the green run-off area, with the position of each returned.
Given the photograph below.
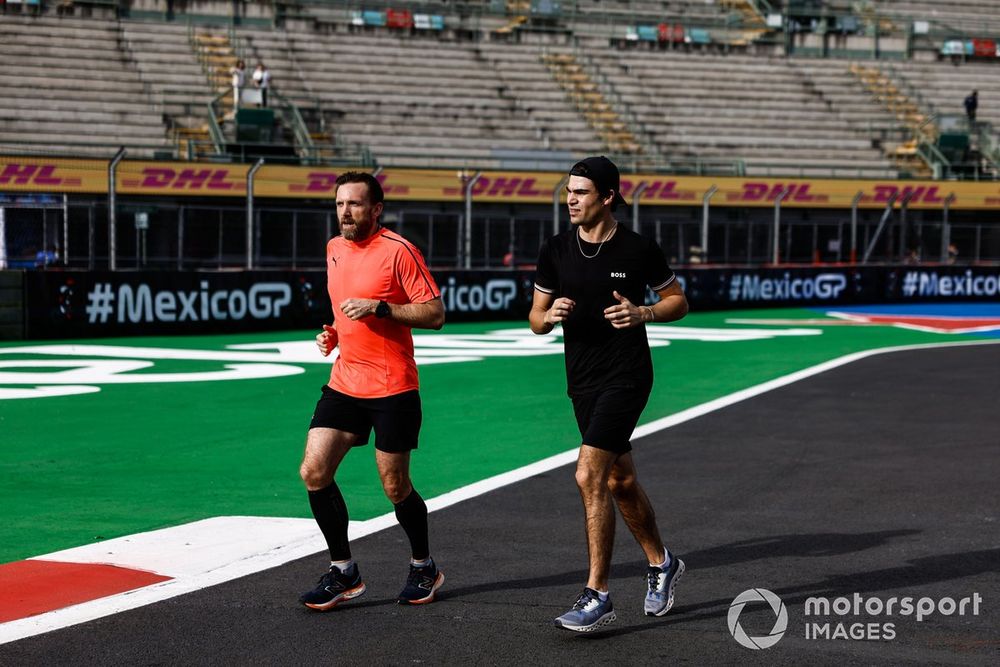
(136, 457)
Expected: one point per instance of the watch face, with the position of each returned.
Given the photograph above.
(382, 310)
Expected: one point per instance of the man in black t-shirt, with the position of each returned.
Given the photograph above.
(590, 279)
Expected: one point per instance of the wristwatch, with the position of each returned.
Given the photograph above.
(382, 310)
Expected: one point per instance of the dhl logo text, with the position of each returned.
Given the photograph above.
(33, 174)
(161, 178)
(920, 194)
(666, 190)
(501, 186)
(798, 192)
(325, 182)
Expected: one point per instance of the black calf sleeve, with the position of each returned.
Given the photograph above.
(411, 513)
(330, 510)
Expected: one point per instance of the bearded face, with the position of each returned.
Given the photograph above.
(356, 215)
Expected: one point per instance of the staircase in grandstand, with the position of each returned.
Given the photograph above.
(752, 16)
(585, 94)
(872, 16)
(917, 154)
(517, 12)
(217, 55)
(278, 132)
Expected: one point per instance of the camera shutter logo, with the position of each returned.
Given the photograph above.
(780, 623)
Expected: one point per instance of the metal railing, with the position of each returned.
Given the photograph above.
(184, 235)
(292, 118)
(988, 142)
(214, 129)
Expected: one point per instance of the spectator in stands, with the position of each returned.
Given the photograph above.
(262, 81)
(592, 281)
(380, 289)
(971, 104)
(239, 74)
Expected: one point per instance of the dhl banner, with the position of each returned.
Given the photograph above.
(54, 175)
(181, 178)
(51, 175)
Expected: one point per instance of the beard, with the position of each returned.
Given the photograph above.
(356, 230)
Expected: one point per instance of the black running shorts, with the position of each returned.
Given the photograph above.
(607, 417)
(396, 419)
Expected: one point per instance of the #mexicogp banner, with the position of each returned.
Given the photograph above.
(82, 304)
(56, 176)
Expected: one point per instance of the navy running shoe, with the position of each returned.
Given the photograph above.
(421, 584)
(333, 588)
(661, 583)
(588, 614)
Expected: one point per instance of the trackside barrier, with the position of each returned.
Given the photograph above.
(86, 304)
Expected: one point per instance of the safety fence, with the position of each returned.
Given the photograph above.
(153, 215)
(56, 235)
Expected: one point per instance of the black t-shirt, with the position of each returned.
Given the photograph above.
(598, 355)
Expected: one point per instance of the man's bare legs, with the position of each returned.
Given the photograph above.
(605, 479)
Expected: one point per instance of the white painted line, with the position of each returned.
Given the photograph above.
(195, 548)
(261, 543)
(232, 546)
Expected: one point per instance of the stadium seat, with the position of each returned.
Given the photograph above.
(647, 33)
(953, 47)
(984, 48)
(399, 19)
(373, 18)
(545, 8)
(698, 36)
(664, 32)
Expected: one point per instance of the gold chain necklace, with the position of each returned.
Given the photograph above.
(600, 245)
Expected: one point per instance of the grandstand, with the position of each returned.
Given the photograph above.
(963, 17)
(169, 68)
(68, 86)
(748, 132)
(683, 86)
(779, 117)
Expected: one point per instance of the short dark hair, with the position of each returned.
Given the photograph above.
(375, 194)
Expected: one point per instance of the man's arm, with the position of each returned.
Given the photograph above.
(546, 310)
(427, 315)
(672, 306)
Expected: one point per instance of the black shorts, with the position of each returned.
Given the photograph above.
(396, 419)
(607, 417)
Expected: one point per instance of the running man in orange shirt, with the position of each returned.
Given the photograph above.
(380, 289)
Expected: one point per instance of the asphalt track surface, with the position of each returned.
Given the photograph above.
(878, 478)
